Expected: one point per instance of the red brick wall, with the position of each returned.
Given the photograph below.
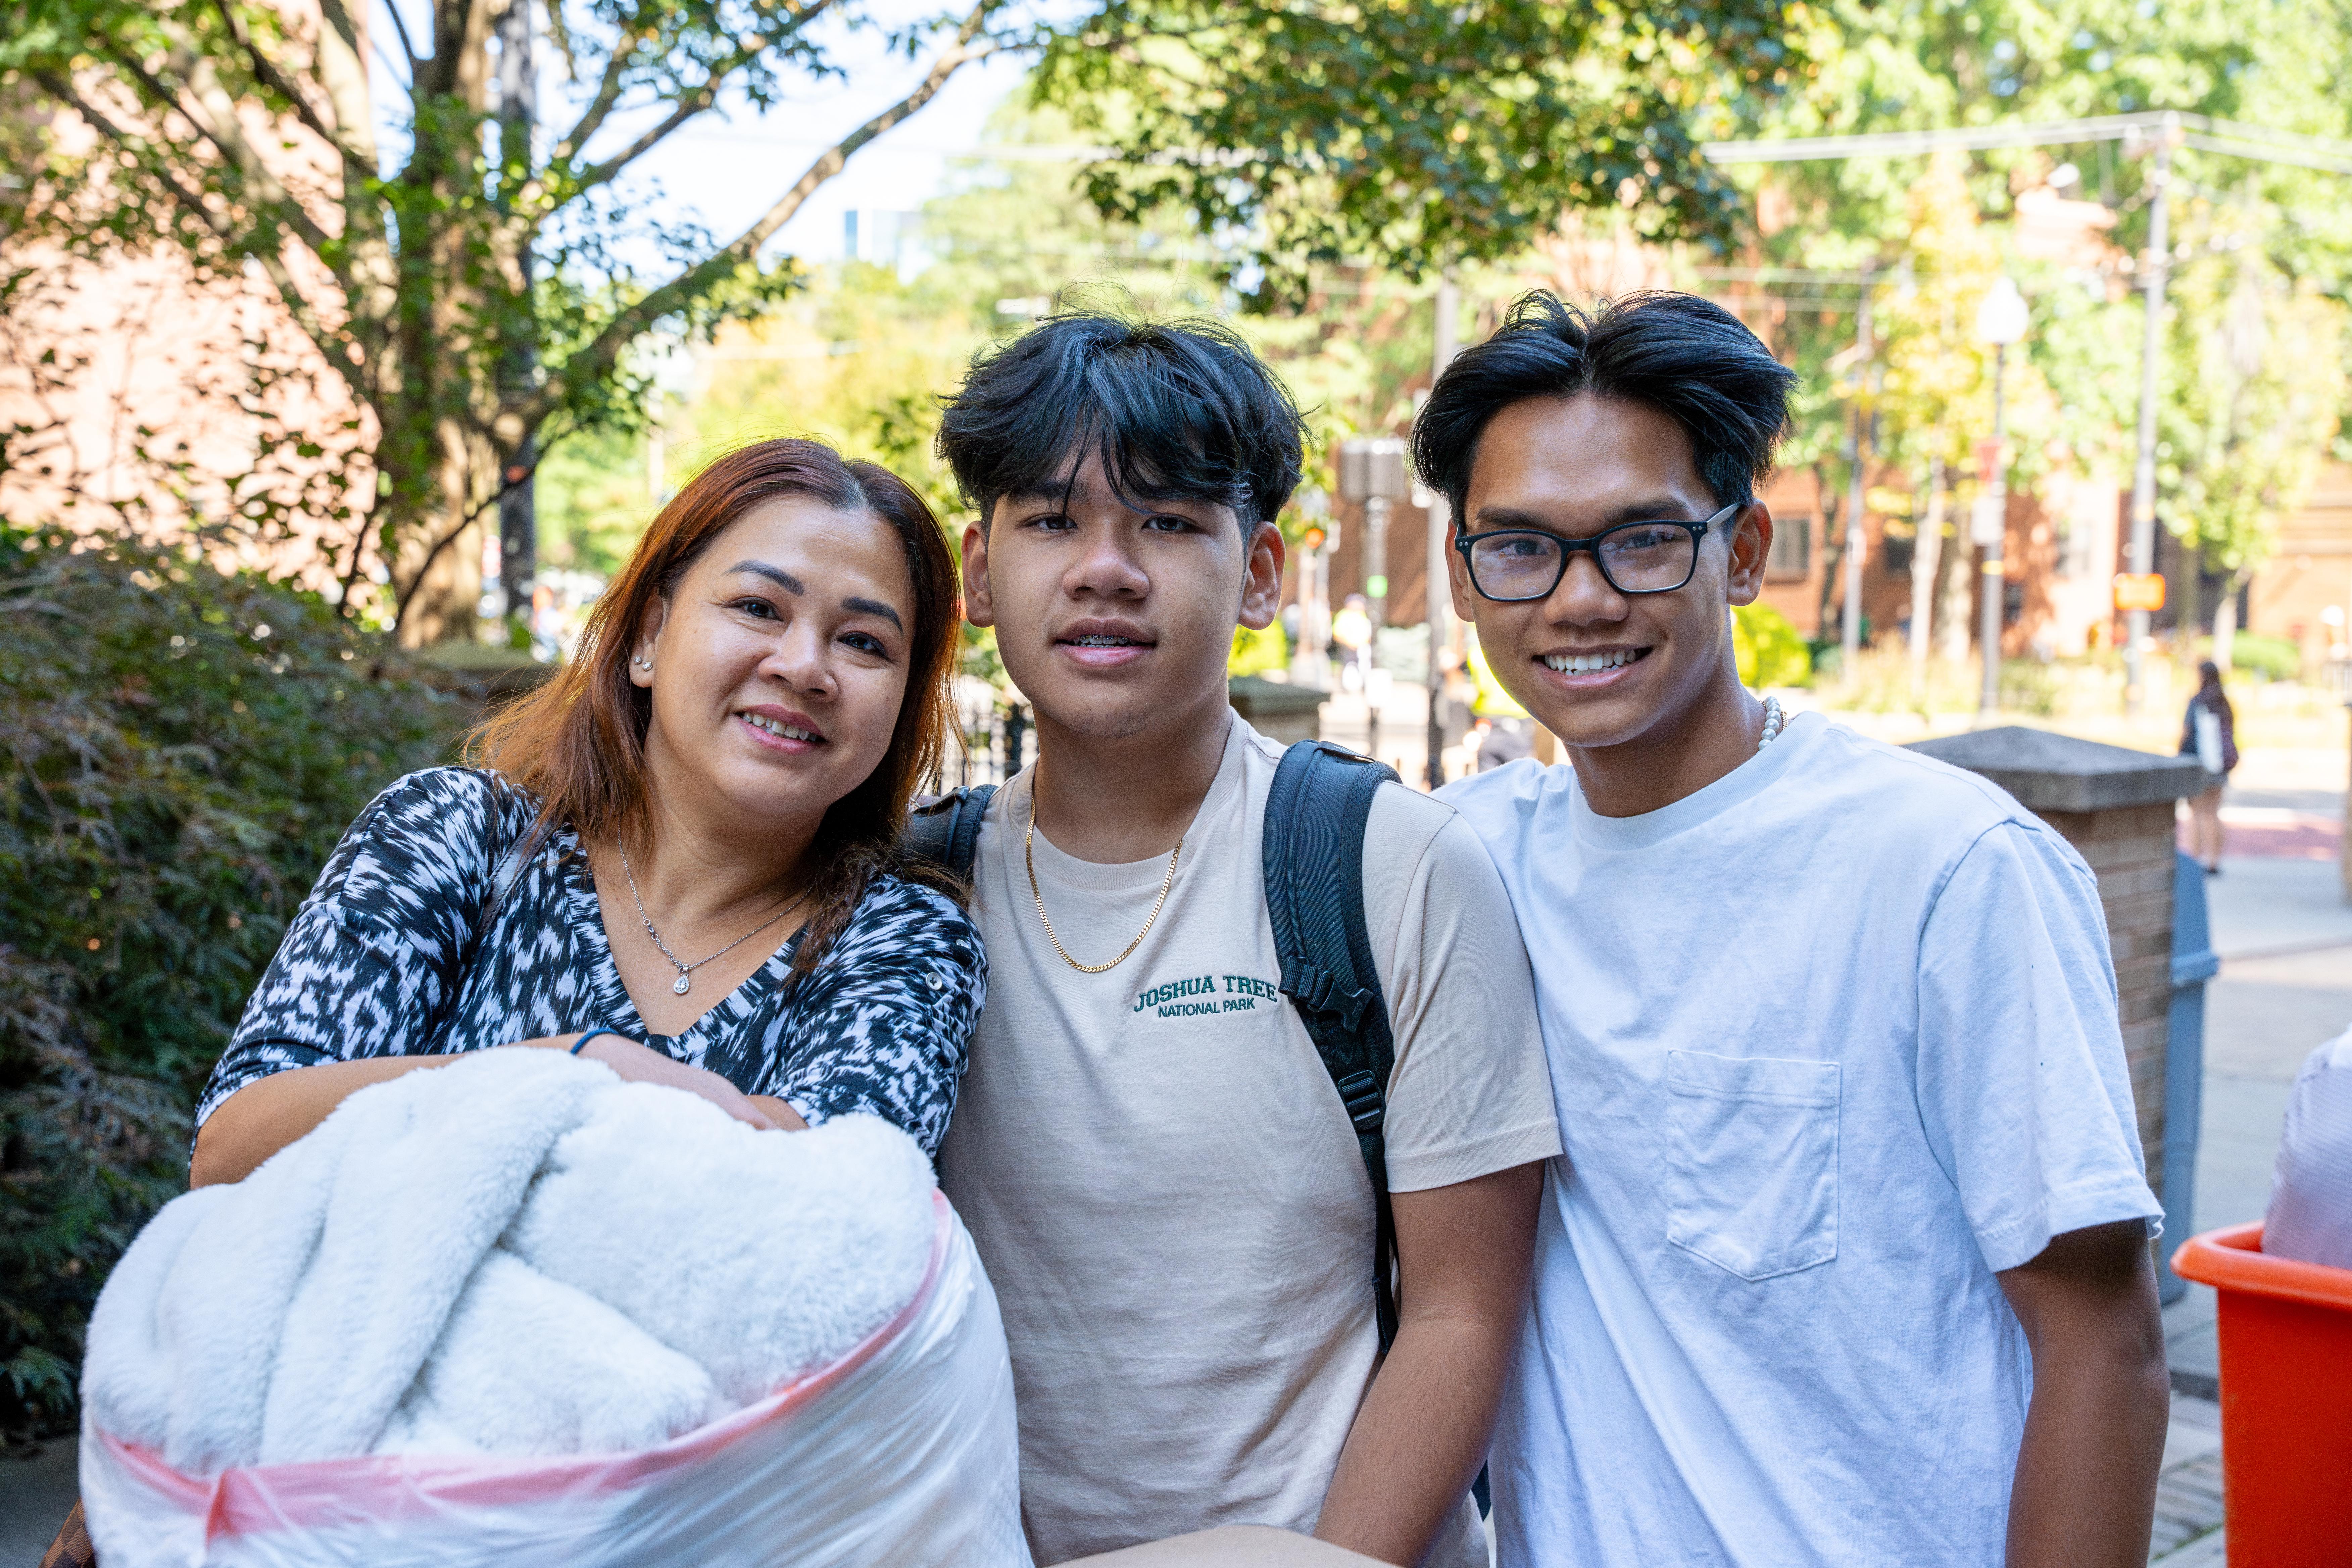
(2130, 849)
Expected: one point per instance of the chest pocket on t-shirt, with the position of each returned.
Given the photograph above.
(1752, 1180)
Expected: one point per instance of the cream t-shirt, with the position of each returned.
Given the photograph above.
(1160, 1177)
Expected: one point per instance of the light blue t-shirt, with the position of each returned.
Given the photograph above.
(1832, 1041)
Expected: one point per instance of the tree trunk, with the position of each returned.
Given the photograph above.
(2189, 612)
(439, 574)
(2225, 621)
(1926, 555)
(1953, 599)
(1832, 548)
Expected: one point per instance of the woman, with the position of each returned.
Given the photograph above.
(682, 846)
(2209, 734)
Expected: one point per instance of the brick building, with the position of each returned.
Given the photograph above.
(2305, 593)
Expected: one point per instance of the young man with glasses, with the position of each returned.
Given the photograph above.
(1153, 1161)
(1845, 1258)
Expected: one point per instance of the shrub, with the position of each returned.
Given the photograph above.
(184, 748)
(2272, 659)
(1770, 652)
(1258, 652)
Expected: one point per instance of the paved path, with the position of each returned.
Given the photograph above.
(35, 1494)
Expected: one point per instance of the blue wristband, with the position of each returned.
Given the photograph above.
(591, 1035)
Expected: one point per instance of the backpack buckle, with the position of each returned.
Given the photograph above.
(1318, 991)
(1361, 1095)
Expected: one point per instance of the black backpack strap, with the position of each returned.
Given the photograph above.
(947, 830)
(1315, 894)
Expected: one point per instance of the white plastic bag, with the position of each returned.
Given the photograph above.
(2209, 739)
(903, 1452)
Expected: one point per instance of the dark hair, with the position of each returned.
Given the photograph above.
(2210, 687)
(1687, 357)
(578, 742)
(1179, 411)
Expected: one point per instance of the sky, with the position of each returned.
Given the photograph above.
(729, 171)
(726, 168)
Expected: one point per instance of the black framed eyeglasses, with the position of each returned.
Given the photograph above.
(1512, 564)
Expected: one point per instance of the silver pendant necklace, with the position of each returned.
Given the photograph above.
(685, 970)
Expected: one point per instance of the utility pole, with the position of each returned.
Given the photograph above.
(517, 508)
(1850, 639)
(1441, 526)
(1372, 471)
(2152, 345)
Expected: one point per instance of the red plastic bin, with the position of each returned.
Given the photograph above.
(2286, 1400)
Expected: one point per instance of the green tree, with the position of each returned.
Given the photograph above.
(1978, 62)
(467, 283)
(859, 355)
(1309, 135)
(2261, 395)
(463, 279)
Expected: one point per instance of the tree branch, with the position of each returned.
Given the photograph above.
(244, 160)
(604, 350)
(264, 70)
(592, 119)
(238, 241)
(402, 597)
(407, 45)
(608, 96)
(187, 200)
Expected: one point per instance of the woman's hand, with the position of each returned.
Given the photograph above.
(640, 1063)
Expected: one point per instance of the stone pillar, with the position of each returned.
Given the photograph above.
(2116, 806)
(1281, 713)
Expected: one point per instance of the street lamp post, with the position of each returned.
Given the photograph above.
(1311, 664)
(2000, 321)
(1439, 513)
(1372, 471)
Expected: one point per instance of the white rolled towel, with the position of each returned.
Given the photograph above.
(514, 1254)
(529, 1365)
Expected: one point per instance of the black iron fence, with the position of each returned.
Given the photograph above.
(993, 739)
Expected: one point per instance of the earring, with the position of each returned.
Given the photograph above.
(643, 664)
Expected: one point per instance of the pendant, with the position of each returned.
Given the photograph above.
(683, 981)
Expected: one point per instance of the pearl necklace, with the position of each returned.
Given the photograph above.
(1773, 721)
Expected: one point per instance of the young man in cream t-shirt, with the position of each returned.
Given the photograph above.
(1148, 1151)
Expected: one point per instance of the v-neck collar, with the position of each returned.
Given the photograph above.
(585, 911)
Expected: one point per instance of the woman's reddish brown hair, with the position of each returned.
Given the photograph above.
(579, 741)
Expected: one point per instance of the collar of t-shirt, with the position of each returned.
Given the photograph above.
(1734, 789)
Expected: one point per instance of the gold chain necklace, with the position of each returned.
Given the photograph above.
(1029, 857)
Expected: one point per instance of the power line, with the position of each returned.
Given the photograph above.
(2229, 137)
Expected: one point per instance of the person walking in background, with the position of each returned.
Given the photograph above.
(2208, 731)
(1351, 634)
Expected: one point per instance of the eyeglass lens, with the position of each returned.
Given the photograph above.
(1646, 557)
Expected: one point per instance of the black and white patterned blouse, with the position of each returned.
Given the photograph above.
(376, 964)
